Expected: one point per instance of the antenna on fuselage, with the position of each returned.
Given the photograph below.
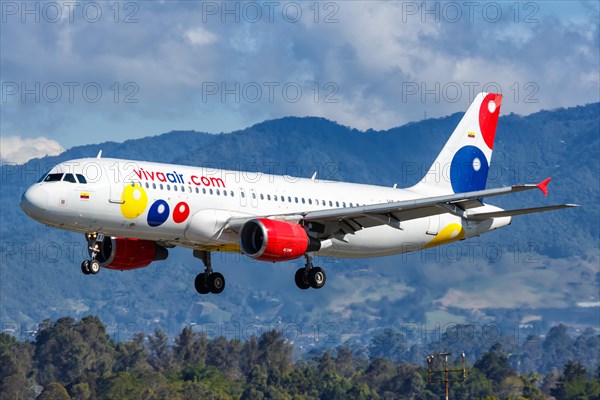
(99, 154)
(314, 177)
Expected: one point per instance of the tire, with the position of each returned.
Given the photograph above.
(94, 267)
(317, 277)
(301, 282)
(200, 284)
(85, 267)
(216, 283)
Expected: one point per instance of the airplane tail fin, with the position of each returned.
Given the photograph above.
(464, 162)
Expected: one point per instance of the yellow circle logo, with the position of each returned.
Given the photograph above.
(134, 200)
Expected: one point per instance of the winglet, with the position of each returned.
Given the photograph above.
(543, 186)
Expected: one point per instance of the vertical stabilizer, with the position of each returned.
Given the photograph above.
(464, 162)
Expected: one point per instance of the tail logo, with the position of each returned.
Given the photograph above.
(469, 167)
(469, 170)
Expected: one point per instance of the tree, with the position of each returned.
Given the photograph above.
(131, 355)
(494, 364)
(558, 348)
(15, 362)
(344, 362)
(249, 355)
(275, 355)
(54, 391)
(161, 355)
(574, 384)
(377, 373)
(65, 350)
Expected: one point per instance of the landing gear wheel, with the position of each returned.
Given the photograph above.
(215, 283)
(301, 280)
(200, 284)
(317, 277)
(94, 267)
(85, 267)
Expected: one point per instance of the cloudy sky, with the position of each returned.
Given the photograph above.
(85, 72)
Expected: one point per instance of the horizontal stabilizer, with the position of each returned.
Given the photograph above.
(521, 211)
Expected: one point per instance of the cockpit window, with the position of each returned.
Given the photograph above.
(53, 177)
(81, 178)
(42, 177)
(70, 178)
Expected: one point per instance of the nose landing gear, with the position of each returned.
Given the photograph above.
(92, 266)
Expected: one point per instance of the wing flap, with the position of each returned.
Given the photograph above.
(520, 211)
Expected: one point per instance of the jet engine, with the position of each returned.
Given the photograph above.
(124, 254)
(272, 240)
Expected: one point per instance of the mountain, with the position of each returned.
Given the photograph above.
(541, 270)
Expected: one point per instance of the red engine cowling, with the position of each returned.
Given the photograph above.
(124, 254)
(271, 240)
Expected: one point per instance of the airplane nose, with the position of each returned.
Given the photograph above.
(35, 200)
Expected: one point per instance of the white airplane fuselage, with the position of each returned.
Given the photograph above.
(213, 196)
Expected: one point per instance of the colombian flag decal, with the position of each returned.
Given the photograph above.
(471, 135)
(84, 195)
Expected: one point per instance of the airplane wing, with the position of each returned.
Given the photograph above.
(349, 220)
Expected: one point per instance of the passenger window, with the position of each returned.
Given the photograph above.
(210, 191)
(351, 205)
(262, 197)
(296, 199)
(218, 191)
(168, 187)
(197, 190)
(330, 203)
(243, 194)
(323, 202)
(253, 195)
(147, 185)
(183, 188)
(81, 178)
(290, 199)
(337, 203)
(224, 192)
(203, 190)
(161, 186)
(344, 204)
(174, 187)
(231, 193)
(309, 201)
(269, 197)
(154, 186)
(69, 178)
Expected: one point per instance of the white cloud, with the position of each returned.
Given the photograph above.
(19, 150)
(355, 63)
(200, 37)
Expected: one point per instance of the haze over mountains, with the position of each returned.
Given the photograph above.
(543, 268)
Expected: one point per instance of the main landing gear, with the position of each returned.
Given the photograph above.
(92, 266)
(310, 276)
(208, 281)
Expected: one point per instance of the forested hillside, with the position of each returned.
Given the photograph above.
(78, 360)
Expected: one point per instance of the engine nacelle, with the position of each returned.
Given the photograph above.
(123, 253)
(271, 240)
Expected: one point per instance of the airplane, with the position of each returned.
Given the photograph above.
(132, 212)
